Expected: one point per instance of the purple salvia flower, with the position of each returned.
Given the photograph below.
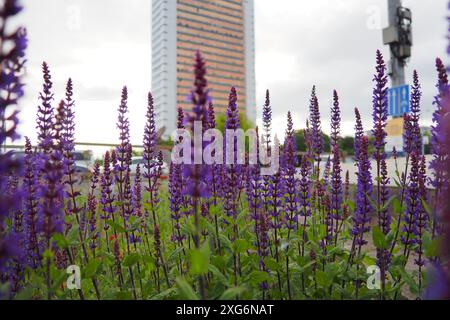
(305, 187)
(413, 206)
(127, 189)
(437, 144)
(45, 113)
(253, 188)
(176, 200)
(385, 216)
(315, 123)
(12, 62)
(422, 219)
(211, 116)
(137, 192)
(215, 177)
(114, 166)
(416, 96)
(335, 120)
(336, 185)
(359, 133)
(380, 107)
(123, 158)
(346, 209)
(232, 170)
(92, 208)
(288, 171)
(408, 135)
(107, 196)
(152, 167)
(276, 192)
(267, 122)
(326, 173)
(51, 209)
(263, 247)
(363, 209)
(30, 187)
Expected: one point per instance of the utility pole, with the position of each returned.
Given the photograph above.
(398, 35)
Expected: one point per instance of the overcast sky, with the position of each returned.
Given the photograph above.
(105, 44)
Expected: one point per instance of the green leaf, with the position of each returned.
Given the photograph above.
(60, 241)
(164, 294)
(398, 208)
(73, 235)
(379, 240)
(257, 277)
(186, 290)
(91, 268)
(48, 254)
(272, 264)
(200, 260)
(219, 275)
(432, 249)
(115, 226)
(232, 293)
(410, 282)
(131, 259)
(351, 205)
(240, 245)
(323, 279)
(427, 208)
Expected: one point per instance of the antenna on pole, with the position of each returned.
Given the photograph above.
(398, 35)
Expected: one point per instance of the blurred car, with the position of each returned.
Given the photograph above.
(139, 160)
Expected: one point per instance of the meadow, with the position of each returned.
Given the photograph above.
(221, 231)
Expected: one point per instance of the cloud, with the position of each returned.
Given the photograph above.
(105, 44)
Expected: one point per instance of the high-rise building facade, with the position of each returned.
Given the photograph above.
(223, 30)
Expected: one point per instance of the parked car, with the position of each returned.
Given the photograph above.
(139, 160)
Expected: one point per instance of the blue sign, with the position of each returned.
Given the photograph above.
(399, 100)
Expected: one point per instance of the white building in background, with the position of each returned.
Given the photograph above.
(223, 30)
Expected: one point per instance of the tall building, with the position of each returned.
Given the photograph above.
(223, 30)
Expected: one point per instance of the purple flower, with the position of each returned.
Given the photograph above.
(45, 113)
(380, 108)
(288, 171)
(51, 209)
(107, 196)
(437, 143)
(422, 218)
(253, 190)
(336, 184)
(122, 149)
(267, 121)
(276, 191)
(196, 175)
(315, 123)
(137, 192)
(361, 217)
(413, 205)
(152, 160)
(176, 200)
(407, 134)
(92, 207)
(30, 186)
(359, 133)
(263, 248)
(335, 120)
(416, 96)
(232, 170)
(305, 187)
